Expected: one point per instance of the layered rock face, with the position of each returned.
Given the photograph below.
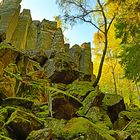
(46, 90)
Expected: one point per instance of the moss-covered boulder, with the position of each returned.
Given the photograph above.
(129, 122)
(17, 101)
(61, 68)
(53, 130)
(42, 134)
(79, 89)
(93, 98)
(114, 105)
(64, 106)
(82, 129)
(99, 116)
(22, 123)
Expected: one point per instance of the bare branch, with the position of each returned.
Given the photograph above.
(82, 18)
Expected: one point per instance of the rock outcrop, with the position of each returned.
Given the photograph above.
(46, 90)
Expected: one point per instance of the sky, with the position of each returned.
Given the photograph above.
(47, 9)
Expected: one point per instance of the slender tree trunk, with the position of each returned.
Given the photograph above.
(102, 60)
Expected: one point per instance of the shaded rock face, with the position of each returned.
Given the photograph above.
(46, 90)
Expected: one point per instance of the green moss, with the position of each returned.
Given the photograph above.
(89, 100)
(56, 125)
(78, 127)
(79, 88)
(4, 138)
(130, 115)
(111, 99)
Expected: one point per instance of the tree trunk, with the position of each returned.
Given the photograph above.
(102, 61)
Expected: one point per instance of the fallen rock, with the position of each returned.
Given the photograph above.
(94, 98)
(64, 106)
(99, 117)
(22, 123)
(79, 89)
(82, 129)
(17, 101)
(115, 104)
(42, 134)
(61, 69)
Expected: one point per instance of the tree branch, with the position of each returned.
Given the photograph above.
(111, 22)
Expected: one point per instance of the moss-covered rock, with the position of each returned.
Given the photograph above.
(17, 101)
(129, 122)
(64, 106)
(53, 130)
(22, 123)
(56, 125)
(82, 129)
(94, 98)
(79, 89)
(42, 134)
(99, 116)
(114, 104)
(61, 68)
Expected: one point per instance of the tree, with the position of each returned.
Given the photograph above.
(129, 32)
(92, 12)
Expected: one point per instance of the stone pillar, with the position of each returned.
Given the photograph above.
(58, 41)
(86, 65)
(46, 34)
(9, 13)
(75, 53)
(20, 35)
(32, 35)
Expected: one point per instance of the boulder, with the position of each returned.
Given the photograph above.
(17, 101)
(64, 106)
(9, 13)
(93, 98)
(99, 117)
(42, 134)
(82, 129)
(22, 123)
(79, 89)
(126, 118)
(61, 69)
(115, 104)
(19, 37)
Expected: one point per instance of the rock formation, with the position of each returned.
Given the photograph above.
(46, 90)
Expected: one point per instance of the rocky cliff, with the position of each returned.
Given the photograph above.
(46, 90)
